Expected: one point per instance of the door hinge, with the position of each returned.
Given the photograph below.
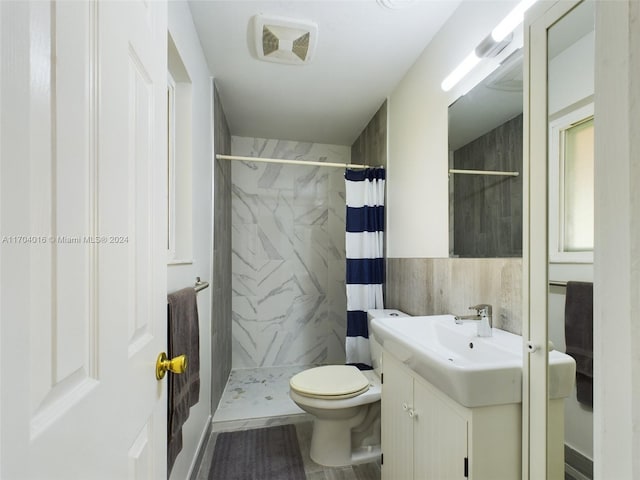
(466, 467)
(382, 459)
(381, 378)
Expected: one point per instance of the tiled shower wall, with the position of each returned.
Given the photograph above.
(221, 281)
(288, 259)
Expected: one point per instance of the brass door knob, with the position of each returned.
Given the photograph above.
(175, 365)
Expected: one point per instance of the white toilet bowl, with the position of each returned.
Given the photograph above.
(345, 403)
(339, 411)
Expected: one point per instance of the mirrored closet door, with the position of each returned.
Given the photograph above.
(558, 433)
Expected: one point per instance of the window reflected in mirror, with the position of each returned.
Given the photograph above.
(571, 184)
(578, 187)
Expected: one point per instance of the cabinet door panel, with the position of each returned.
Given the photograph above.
(440, 437)
(397, 426)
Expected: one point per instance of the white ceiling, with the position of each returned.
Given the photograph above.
(363, 51)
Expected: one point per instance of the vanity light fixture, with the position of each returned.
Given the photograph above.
(491, 46)
(511, 21)
(460, 71)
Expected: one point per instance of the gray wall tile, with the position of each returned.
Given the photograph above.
(487, 210)
(221, 283)
(435, 286)
(370, 147)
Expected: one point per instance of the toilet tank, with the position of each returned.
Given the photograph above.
(374, 346)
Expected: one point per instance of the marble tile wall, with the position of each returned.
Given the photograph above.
(288, 259)
(430, 286)
(221, 280)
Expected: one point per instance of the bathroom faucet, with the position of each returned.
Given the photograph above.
(483, 316)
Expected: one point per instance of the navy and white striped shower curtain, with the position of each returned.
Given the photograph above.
(365, 261)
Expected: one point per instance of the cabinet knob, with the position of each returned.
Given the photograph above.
(412, 413)
(405, 407)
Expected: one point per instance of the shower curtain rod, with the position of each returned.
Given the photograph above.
(484, 172)
(292, 162)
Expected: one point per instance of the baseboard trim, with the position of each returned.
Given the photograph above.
(259, 422)
(577, 465)
(202, 448)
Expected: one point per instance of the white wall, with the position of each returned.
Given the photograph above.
(571, 74)
(184, 35)
(417, 168)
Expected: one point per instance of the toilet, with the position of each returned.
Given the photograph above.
(345, 404)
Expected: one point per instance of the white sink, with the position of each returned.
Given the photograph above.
(474, 371)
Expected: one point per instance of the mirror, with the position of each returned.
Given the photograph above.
(570, 129)
(485, 133)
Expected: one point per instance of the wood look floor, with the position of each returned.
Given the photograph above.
(313, 471)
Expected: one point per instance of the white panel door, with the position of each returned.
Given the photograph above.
(440, 437)
(82, 225)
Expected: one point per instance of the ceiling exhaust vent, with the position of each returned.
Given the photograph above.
(284, 40)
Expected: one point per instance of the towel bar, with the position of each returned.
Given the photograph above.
(557, 283)
(200, 285)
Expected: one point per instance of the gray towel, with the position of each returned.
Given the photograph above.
(578, 327)
(184, 389)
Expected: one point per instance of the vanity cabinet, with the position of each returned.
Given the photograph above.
(428, 436)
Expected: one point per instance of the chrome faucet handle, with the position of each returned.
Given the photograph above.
(486, 320)
(483, 309)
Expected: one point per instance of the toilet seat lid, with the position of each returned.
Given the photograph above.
(334, 381)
